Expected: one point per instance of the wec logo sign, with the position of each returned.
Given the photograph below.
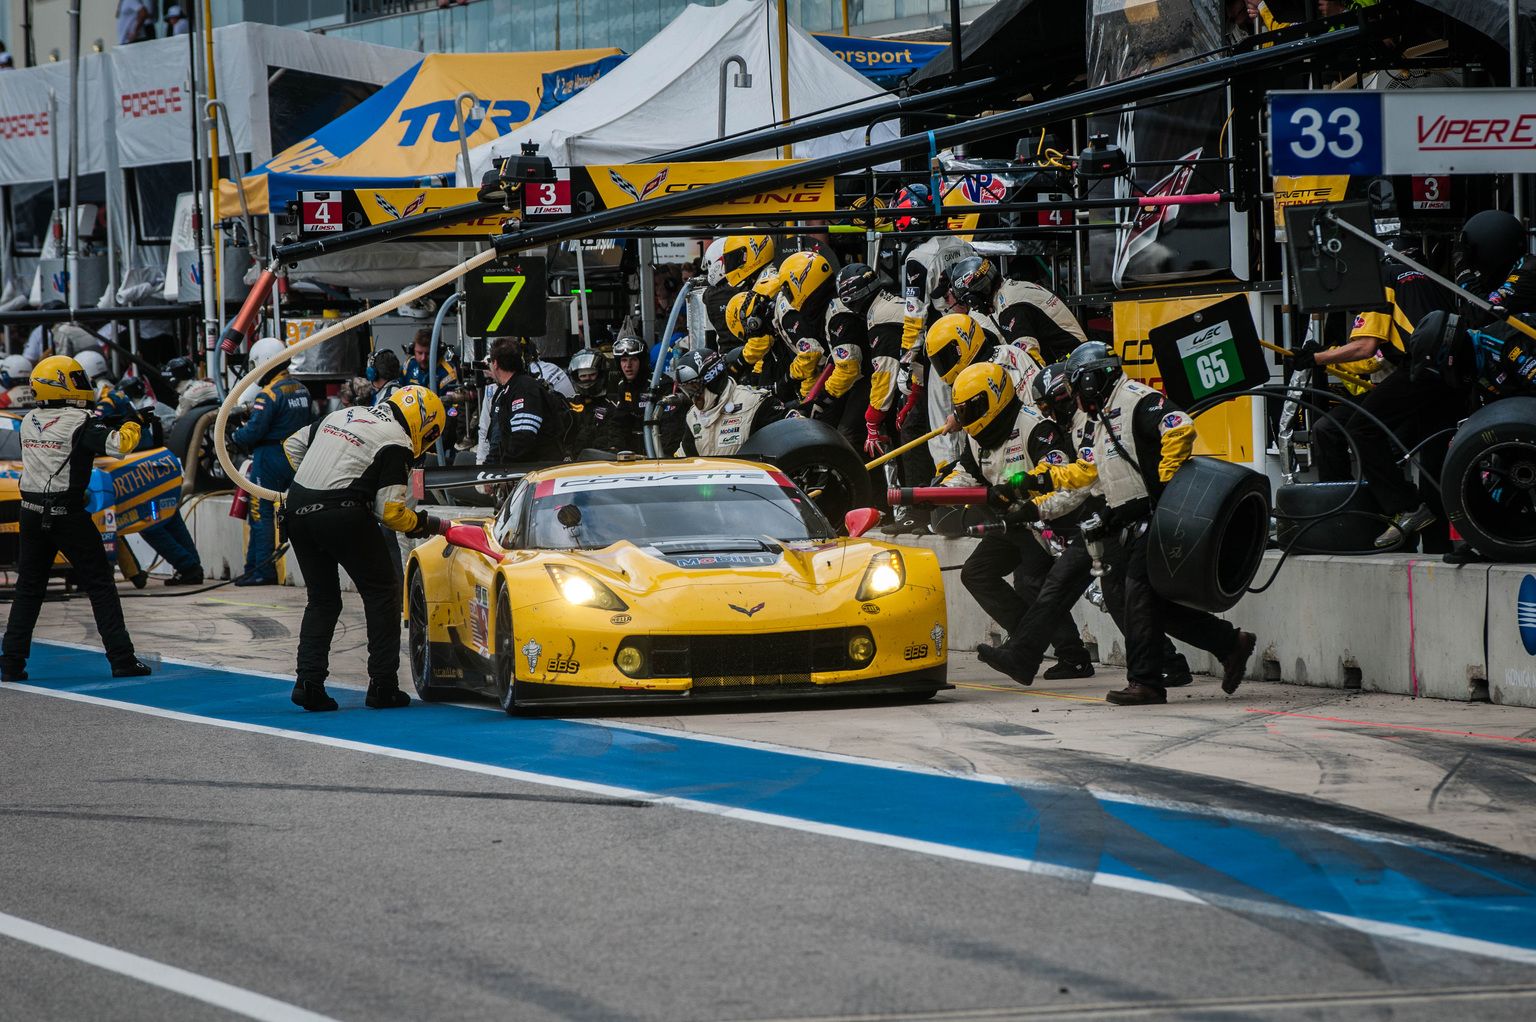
(504, 115)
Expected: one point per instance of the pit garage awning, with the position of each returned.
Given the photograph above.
(408, 130)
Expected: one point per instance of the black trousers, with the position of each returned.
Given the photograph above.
(75, 536)
(348, 538)
(916, 466)
(1412, 411)
(985, 576)
(1064, 585)
(1147, 620)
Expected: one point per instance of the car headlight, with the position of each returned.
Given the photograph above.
(886, 574)
(582, 589)
(631, 660)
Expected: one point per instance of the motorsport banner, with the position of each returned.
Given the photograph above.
(578, 191)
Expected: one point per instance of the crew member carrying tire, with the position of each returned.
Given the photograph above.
(350, 473)
(1131, 476)
(281, 408)
(60, 439)
(724, 413)
(1005, 438)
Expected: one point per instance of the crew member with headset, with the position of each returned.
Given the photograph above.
(1130, 441)
(60, 439)
(281, 408)
(350, 471)
(723, 413)
(524, 421)
(1412, 410)
(867, 314)
(1006, 437)
(383, 371)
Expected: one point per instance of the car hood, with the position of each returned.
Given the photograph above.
(646, 568)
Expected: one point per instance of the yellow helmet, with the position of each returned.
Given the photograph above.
(952, 344)
(807, 279)
(981, 393)
(744, 255)
(60, 378)
(767, 284)
(735, 310)
(423, 414)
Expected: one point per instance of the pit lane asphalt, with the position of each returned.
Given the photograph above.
(360, 885)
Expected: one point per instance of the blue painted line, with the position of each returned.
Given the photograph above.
(1263, 864)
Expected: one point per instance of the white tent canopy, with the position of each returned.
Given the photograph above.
(666, 95)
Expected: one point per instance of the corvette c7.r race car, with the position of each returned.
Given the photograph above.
(656, 581)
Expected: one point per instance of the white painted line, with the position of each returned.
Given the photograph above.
(167, 977)
(1412, 934)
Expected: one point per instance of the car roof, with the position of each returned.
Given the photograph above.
(647, 466)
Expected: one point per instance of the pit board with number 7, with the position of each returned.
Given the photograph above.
(1209, 352)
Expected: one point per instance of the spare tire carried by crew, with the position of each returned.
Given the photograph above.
(201, 466)
(1208, 534)
(1350, 521)
(820, 461)
(1488, 484)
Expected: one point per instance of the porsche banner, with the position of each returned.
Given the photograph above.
(578, 191)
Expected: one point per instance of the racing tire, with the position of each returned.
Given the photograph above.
(505, 658)
(419, 642)
(1488, 483)
(1208, 534)
(1353, 521)
(201, 467)
(820, 461)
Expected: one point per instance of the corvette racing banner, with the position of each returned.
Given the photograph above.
(579, 190)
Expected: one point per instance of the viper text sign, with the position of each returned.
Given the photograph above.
(1412, 131)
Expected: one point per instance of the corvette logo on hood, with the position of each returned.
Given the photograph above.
(744, 610)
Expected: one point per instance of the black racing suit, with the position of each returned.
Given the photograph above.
(58, 446)
(351, 470)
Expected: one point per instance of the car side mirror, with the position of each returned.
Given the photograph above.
(860, 520)
(472, 537)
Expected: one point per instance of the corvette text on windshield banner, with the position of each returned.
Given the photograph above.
(578, 191)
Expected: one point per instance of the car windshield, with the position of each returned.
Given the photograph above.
(653, 507)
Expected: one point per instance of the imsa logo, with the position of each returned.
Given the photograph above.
(917, 652)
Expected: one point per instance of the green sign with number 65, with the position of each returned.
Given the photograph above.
(1210, 359)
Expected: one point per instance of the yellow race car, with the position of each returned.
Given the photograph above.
(662, 581)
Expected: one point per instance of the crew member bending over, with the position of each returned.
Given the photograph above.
(351, 470)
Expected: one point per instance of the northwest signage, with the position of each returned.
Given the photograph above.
(1423, 132)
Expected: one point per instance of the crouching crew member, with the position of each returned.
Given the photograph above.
(1006, 437)
(1131, 440)
(724, 413)
(60, 438)
(350, 471)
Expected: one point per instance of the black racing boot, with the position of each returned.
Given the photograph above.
(1063, 669)
(1176, 672)
(313, 696)
(1137, 694)
(386, 695)
(193, 577)
(132, 667)
(1016, 665)
(1236, 664)
(13, 670)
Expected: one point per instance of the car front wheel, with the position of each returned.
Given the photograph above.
(506, 653)
(420, 642)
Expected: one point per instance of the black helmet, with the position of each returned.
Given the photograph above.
(592, 364)
(972, 280)
(1433, 348)
(1052, 392)
(1494, 239)
(181, 368)
(1092, 370)
(857, 285)
(700, 374)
